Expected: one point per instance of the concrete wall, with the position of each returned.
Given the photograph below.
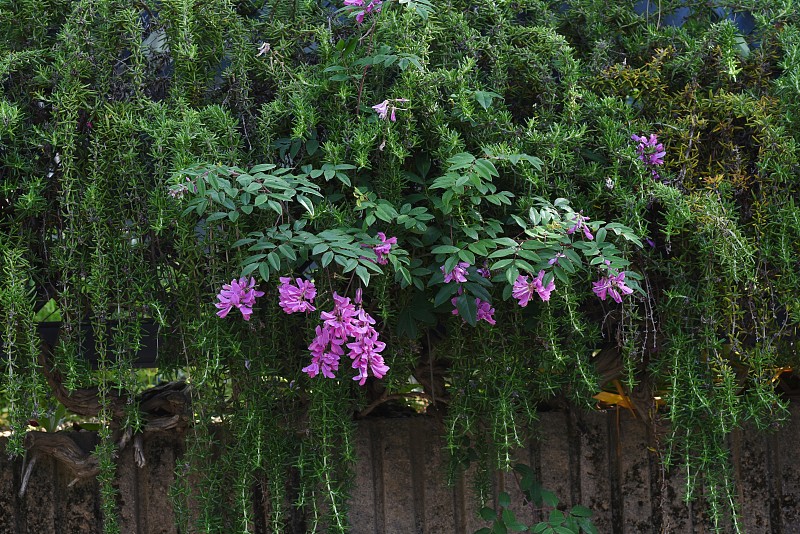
(601, 460)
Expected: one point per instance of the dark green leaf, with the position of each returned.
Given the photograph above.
(484, 98)
(504, 499)
(487, 514)
(467, 309)
(581, 511)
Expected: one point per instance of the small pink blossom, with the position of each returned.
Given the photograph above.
(484, 271)
(580, 224)
(485, 312)
(374, 5)
(382, 109)
(387, 109)
(459, 273)
(554, 259)
(524, 290)
(612, 286)
(650, 151)
(365, 352)
(238, 294)
(382, 250)
(296, 298)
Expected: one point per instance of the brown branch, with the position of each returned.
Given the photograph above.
(395, 396)
(84, 401)
(61, 447)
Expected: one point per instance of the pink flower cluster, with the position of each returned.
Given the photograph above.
(613, 286)
(651, 152)
(387, 109)
(238, 294)
(524, 290)
(373, 5)
(343, 323)
(296, 298)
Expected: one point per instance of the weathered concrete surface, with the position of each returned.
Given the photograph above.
(605, 461)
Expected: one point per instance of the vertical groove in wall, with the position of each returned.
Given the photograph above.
(415, 434)
(772, 473)
(377, 470)
(789, 475)
(15, 501)
(142, 496)
(363, 514)
(574, 457)
(614, 469)
(535, 454)
(656, 481)
(458, 504)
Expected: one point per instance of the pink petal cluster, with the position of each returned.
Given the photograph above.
(373, 5)
(613, 286)
(238, 294)
(382, 250)
(651, 152)
(387, 109)
(459, 273)
(485, 310)
(484, 271)
(326, 349)
(524, 290)
(296, 298)
(580, 224)
(343, 323)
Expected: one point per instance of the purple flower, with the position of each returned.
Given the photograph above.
(385, 109)
(580, 224)
(340, 318)
(524, 290)
(650, 151)
(554, 259)
(339, 325)
(326, 349)
(361, 325)
(612, 285)
(382, 250)
(382, 109)
(374, 5)
(484, 271)
(459, 273)
(485, 310)
(238, 294)
(365, 352)
(296, 298)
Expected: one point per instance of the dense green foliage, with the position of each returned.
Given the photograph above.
(502, 107)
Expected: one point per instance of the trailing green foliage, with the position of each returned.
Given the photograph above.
(153, 151)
